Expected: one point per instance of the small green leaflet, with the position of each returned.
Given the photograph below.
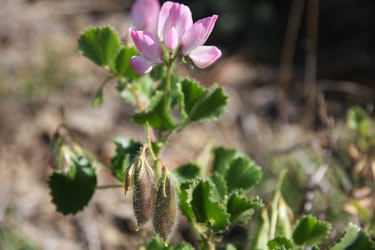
(73, 190)
(354, 238)
(242, 174)
(188, 171)
(126, 151)
(121, 64)
(154, 114)
(281, 243)
(143, 86)
(183, 246)
(201, 104)
(310, 232)
(241, 209)
(207, 211)
(99, 44)
(222, 158)
(185, 197)
(98, 99)
(158, 244)
(220, 187)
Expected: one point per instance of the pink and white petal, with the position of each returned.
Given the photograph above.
(151, 24)
(183, 21)
(204, 56)
(145, 14)
(174, 15)
(198, 34)
(171, 40)
(138, 14)
(166, 15)
(141, 65)
(147, 45)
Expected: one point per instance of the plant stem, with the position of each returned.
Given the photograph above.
(109, 186)
(123, 81)
(171, 132)
(153, 156)
(167, 100)
(274, 206)
(199, 231)
(167, 104)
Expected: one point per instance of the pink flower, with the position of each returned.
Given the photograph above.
(145, 14)
(195, 37)
(174, 20)
(150, 50)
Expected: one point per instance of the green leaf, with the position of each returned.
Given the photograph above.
(126, 151)
(99, 44)
(310, 232)
(242, 174)
(220, 187)
(187, 172)
(201, 104)
(222, 159)
(157, 244)
(183, 246)
(154, 114)
(210, 106)
(98, 99)
(280, 243)
(192, 92)
(121, 64)
(354, 238)
(185, 197)
(206, 210)
(241, 209)
(73, 190)
(143, 86)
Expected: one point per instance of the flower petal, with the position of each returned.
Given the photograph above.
(204, 56)
(197, 34)
(145, 14)
(141, 65)
(147, 45)
(171, 40)
(174, 15)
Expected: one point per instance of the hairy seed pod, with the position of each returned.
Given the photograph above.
(143, 192)
(165, 208)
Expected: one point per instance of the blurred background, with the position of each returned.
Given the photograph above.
(300, 75)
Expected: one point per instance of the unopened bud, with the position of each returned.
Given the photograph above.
(143, 192)
(165, 208)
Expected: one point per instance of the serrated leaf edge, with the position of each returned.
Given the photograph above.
(329, 225)
(100, 27)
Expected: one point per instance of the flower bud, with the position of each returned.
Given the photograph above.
(165, 208)
(143, 192)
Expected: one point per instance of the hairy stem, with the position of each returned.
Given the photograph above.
(153, 156)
